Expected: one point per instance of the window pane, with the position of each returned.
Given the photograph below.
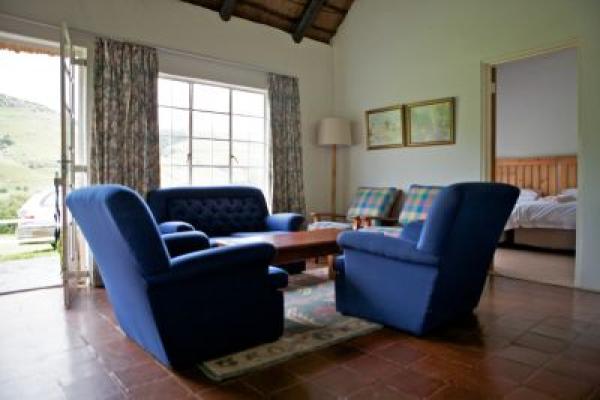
(248, 103)
(249, 176)
(211, 98)
(179, 150)
(173, 176)
(256, 156)
(173, 93)
(210, 152)
(241, 152)
(201, 176)
(248, 128)
(173, 122)
(220, 176)
(210, 125)
(256, 177)
(240, 176)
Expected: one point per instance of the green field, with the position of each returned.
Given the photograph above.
(29, 152)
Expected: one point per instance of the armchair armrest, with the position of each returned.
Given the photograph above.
(289, 222)
(174, 226)
(185, 242)
(234, 260)
(320, 216)
(385, 246)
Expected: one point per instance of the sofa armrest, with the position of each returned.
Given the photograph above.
(174, 226)
(289, 222)
(234, 260)
(185, 242)
(385, 246)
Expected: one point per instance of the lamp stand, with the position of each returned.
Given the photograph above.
(333, 178)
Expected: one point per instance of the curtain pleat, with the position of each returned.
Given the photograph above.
(286, 145)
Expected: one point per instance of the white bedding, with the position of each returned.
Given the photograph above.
(546, 212)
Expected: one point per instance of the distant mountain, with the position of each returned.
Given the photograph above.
(10, 101)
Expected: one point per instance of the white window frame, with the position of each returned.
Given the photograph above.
(190, 110)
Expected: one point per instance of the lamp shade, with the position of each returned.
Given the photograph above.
(334, 131)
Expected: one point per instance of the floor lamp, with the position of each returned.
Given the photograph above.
(334, 132)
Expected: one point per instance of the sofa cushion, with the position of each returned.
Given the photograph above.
(372, 202)
(417, 203)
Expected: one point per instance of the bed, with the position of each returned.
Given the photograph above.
(545, 214)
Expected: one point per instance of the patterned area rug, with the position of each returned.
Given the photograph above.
(311, 323)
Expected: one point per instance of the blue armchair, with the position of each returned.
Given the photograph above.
(179, 299)
(436, 271)
(221, 211)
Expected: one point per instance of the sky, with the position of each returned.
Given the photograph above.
(32, 77)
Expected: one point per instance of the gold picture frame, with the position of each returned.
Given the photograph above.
(385, 127)
(431, 122)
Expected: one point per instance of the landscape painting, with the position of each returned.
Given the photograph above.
(385, 127)
(430, 122)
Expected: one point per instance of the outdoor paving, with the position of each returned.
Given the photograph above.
(29, 273)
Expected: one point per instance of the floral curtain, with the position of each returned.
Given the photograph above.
(124, 144)
(287, 173)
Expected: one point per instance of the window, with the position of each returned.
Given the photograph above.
(211, 134)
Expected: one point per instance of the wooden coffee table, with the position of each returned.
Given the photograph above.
(296, 246)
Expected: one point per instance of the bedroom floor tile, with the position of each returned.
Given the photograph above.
(526, 340)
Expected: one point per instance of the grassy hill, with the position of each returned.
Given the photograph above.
(29, 152)
(29, 144)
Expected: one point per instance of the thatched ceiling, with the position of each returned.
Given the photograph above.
(316, 19)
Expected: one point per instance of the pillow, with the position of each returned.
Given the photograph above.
(565, 198)
(372, 202)
(528, 195)
(418, 202)
(570, 192)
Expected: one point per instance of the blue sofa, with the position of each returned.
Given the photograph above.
(221, 211)
(179, 299)
(435, 271)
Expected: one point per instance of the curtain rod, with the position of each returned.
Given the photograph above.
(203, 57)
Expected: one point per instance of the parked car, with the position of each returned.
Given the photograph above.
(36, 219)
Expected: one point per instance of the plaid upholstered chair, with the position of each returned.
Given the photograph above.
(369, 202)
(416, 206)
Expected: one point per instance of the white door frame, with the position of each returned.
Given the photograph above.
(488, 139)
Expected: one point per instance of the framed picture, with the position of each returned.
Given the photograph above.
(385, 127)
(430, 122)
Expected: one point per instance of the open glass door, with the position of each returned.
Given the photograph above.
(73, 171)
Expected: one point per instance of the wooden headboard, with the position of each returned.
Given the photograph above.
(548, 175)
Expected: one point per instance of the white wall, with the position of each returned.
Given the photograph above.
(177, 25)
(398, 51)
(537, 106)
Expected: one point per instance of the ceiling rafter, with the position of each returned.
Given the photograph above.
(227, 9)
(308, 17)
(315, 19)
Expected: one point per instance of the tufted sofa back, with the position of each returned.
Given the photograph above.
(216, 211)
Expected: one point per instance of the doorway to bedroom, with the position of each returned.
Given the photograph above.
(534, 127)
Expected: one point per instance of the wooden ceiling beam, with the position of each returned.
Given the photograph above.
(308, 16)
(227, 9)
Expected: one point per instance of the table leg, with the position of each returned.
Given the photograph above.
(330, 266)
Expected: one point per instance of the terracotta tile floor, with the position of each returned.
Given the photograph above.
(527, 341)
